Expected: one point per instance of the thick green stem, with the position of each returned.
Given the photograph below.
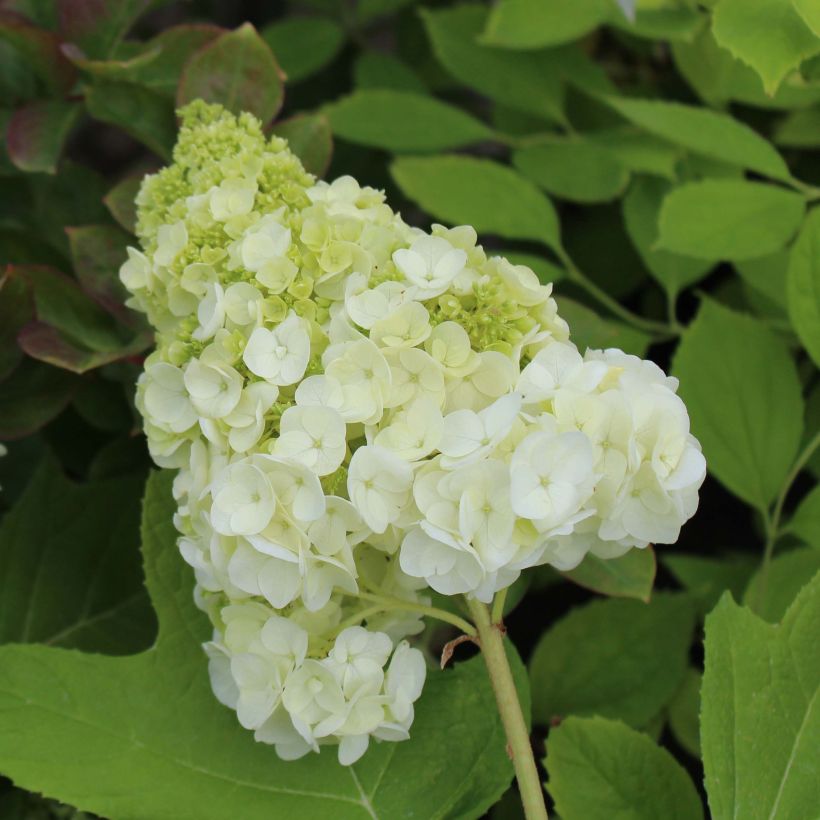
(491, 637)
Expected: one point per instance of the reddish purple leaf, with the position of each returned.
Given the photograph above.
(96, 26)
(36, 133)
(237, 70)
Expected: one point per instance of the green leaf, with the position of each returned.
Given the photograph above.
(545, 270)
(403, 121)
(641, 207)
(97, 252)
(706, 132)
(638, 152)
(589, 330)
(526, 81)
(801, 129)
(773, 589)
(98, 25)
(766, 276)
(101, 732)
(574, 169)
(810, 12)
(304, 45)
(72, 577)
(803, 285)
(40, 49)
(728, 219)
(630, 576)
(144, 114)
(16, 311)
(121, 202)
(805, 523)
(532, 23)
(684, 713)
(32, 396)
(376, 70)
(616, 658)
(670, 23)
(745, 28)
(470, 191)
(237, 70)
(706, 579)
(37, 131)
(760, 728)
(730, 368)
(310, 139)
(600, 769)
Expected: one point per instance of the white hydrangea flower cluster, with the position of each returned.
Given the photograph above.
(360, 410)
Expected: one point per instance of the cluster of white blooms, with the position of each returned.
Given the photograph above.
(359, 411)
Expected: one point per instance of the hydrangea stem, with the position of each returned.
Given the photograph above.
(491, 636)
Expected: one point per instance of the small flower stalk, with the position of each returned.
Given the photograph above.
(361, 412)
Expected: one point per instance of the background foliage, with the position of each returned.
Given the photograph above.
(658, 161)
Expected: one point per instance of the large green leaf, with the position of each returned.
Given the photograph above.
(533, 23)
(528, 81)
(728, 219)
(72, 577)
(743, 394)
(638, 151)
(491, 197)
(630, 576)
(403, 121)
(304, 45)
(760, 725)
(768, 35)
(641, 207)
(237, 70)
(803, 285)
(573, 168)
(144, 737)
(710, 133)
(615, 658)
(600, 770)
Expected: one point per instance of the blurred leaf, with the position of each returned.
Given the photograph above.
(96, 26)
(121, 202)
(572, 168)
(304, 45)
(805, 523)
(527, 81)
(402, 121)
(641, 207)
(728, 219)
(237, 70)
(368, 10)
(744, 398)
(706, 579)
(684, 713)
(803, 285)
(630, 576)
(375, 70)
(102, 404)
(589, 330)
(310, 139)
(97, 252)
(545, 271)
(32, 396)
(759, 726)
(772, 589)
(470, 191)
(810, 12)
(144, 114)
(68, 741)
(710, 133)
(615, 657)
(801, 129)
(674, 23)
(73, 578)
(16, 310)
(41, 50)
(36, 133)
(638, 152)
(600, 769)
(528, 24)
(767, 276)
(745, 27)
